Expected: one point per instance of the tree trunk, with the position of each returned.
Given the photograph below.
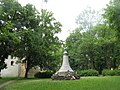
(0, 74)
(26, 73)
(114, 63)
(92, 63)
(106, 58)
(100, 71)
(27, 67)
(86, 66)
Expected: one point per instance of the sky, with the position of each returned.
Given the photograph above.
(66, 11)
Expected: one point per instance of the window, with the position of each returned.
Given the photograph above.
(12, 63)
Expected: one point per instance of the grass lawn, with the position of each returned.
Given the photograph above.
(85, 83)
(4, 79)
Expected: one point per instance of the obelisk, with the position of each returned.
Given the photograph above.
(65, 72)
(65, 64)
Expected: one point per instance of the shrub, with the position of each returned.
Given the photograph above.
(46, 74)
(89, 72)
(108, 72)
(117, 72)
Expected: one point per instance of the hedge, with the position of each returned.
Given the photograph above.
(46, 74)
(89, 72)
(108, 72)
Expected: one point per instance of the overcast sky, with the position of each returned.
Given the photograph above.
(66, 11)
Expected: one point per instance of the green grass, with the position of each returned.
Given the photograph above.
(5, 79)
(85, 83)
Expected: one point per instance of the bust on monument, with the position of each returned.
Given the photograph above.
(65, 72)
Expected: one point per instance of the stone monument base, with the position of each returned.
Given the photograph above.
(65, 76)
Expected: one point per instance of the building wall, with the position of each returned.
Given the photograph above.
(16, 69)
(12, 69)
(22, 70)
(32, 71)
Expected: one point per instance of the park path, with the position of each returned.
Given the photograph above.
(6, 83)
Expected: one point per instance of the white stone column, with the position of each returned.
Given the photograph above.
(65, 64)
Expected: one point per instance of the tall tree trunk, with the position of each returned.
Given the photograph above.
(114, 63)
(86, 66)
(26, 73)
(27, 66)
(107, 62)
(0, 74)
(92, 63)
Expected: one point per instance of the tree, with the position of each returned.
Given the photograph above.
(7, 42)
(38, 43)
(112, 18)
(73, 43)
(92, 50)
(88, 18)
(35, 32)
(112, 15)
(96, 47)
(105, 47)
(46, 1)
(8, 37)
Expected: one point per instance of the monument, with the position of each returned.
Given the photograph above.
(65, 72)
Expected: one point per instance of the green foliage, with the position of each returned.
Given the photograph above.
(29, 35)
(39, 43)
(98, 46)
(46, 74)
(112, 14)
(94, 49)
(89, 72)
(93, 45)
(108, 72)
(82, 46)
(8, 36)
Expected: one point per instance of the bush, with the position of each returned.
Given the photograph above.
(89, 72)
(46, 74)
(108, 72)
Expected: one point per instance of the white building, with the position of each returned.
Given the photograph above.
(15, 69)
(12, 67)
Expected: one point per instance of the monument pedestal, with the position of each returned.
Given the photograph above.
(65, 72)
